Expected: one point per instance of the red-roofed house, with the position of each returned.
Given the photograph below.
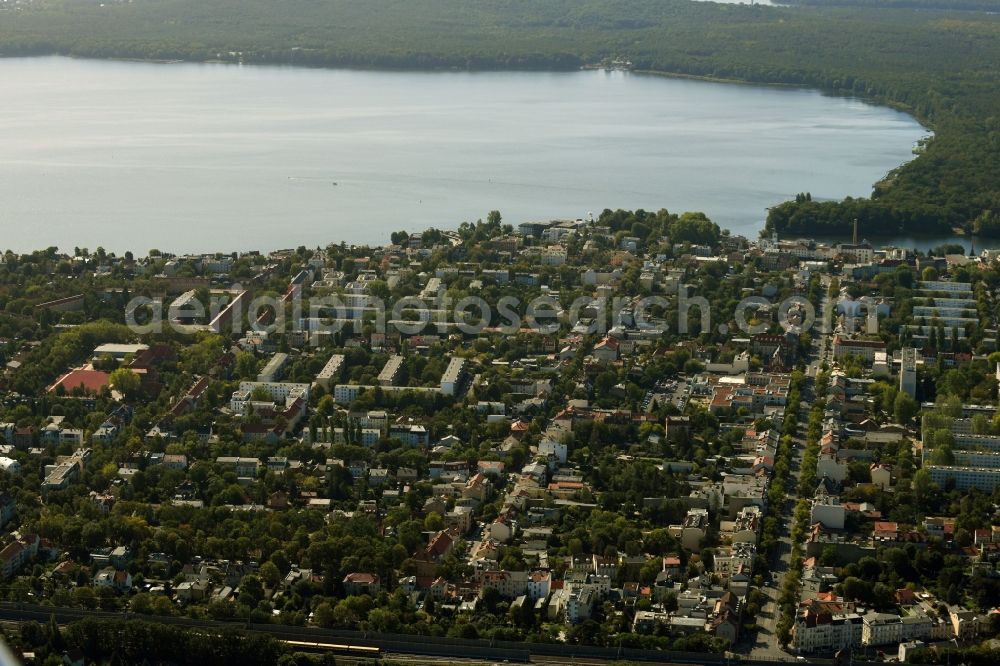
(361, 583)
(671, 565)
(519, 428)
(427, 557)
(886, 531)
(606, 350)
(493, 467)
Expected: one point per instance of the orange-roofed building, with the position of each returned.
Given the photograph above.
(886, 531)
(89, 381)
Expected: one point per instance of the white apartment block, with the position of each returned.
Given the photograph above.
(453, 375)
(965, 478)
(280, 392)
(330, 371)
(827, 633)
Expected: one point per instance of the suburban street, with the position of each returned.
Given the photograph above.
(765, 643)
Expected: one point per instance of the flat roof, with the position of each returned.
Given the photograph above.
(454, 369)
(114, 348)
(391, 367)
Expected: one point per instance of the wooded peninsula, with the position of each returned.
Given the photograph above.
(938, 64)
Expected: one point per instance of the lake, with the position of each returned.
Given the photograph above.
(765, 3)
(207, 157)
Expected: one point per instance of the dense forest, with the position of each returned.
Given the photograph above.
(940, 66)
(943, 5)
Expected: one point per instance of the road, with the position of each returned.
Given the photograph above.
(765, 643)
(822, 333)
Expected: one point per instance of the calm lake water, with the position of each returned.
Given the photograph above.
(765, 3)
(207, 157)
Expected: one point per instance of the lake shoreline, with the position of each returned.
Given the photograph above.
(247, 148)
(846, 94)
(842, 94)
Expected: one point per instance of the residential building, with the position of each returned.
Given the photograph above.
(453, 375)
(331, 371)
(908, 372)
(18, 553)
(361, 583)
(865, 349)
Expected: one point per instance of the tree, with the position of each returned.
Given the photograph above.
(490, 598)
(54, 635)
(694, 228)
(323, 615)
(922, 484)
(246, 365)
(856, 589)
(882, 596)
(943, 455)
(269, 574)
(829, 557)
(251, 590)
(261, 394)
(105, 363)
(980, 425)
(433, 521)
(125, 382)
(949, 405)
(379, 289)
(987, 224)
(904, 408)
(32, 633)
(904, 276)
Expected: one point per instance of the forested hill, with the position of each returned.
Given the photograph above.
(942, 5)
(943, 67)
